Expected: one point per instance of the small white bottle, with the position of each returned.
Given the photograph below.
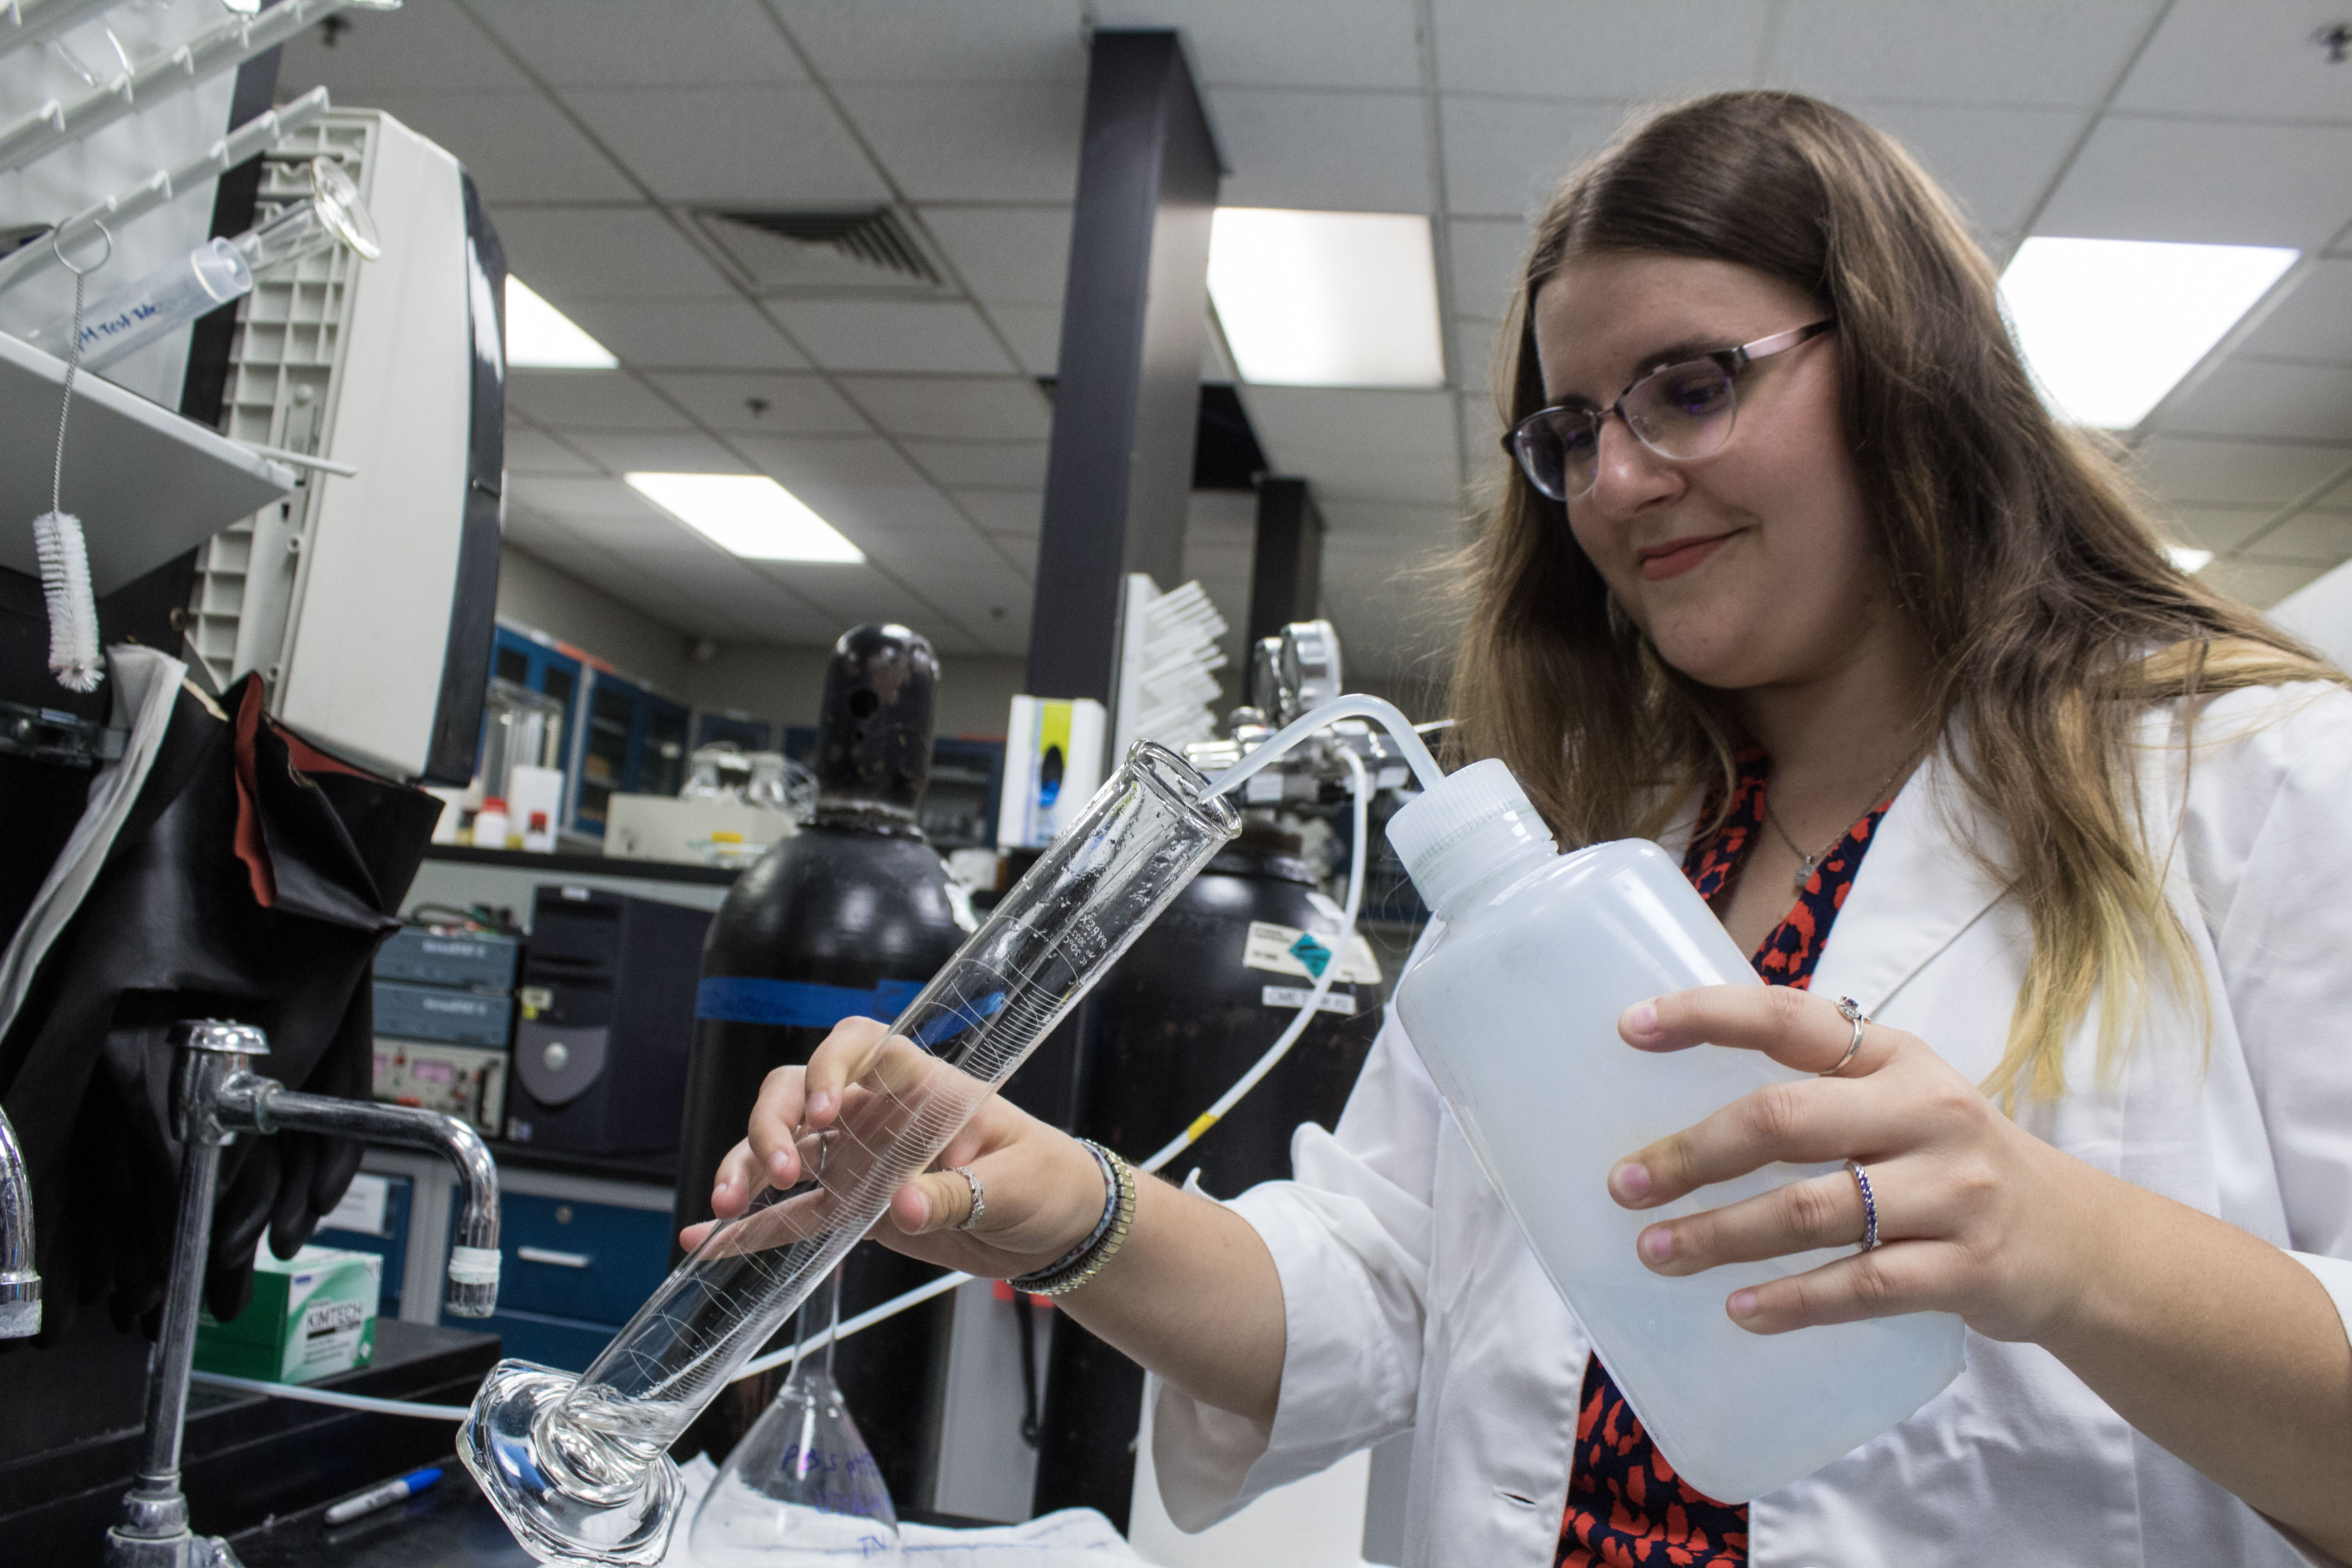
(1514, 1006)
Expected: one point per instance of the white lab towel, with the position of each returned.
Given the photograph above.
(1412, 1304)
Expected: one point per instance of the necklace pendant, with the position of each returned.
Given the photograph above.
(1804, 872)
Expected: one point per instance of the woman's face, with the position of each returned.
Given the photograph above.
(1755, 566)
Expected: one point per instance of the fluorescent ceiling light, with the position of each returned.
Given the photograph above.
(2110, 326)
(541, 337)
(748, 515)
(2189, 558)
(1314, 298)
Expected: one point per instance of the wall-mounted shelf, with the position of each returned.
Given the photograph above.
(146, 483)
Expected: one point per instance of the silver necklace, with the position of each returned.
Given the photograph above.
(1806, 864)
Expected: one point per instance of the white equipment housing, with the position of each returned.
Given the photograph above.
(367, 602)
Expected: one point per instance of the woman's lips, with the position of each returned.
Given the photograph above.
(1676, 556)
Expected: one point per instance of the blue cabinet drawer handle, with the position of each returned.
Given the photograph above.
(561, 1260)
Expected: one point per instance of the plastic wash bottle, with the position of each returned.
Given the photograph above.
(1513, 1005)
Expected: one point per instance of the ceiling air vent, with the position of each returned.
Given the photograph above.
(869, 250)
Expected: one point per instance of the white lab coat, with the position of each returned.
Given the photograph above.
(1412, 1304)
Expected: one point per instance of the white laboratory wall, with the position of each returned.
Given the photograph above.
(546, 598)
(784, 686)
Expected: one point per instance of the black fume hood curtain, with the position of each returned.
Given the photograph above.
(252, 881)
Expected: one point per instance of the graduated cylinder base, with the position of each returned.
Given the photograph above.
(500, 1445)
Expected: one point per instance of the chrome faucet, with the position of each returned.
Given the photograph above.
(215, 1095)
(20, 1286)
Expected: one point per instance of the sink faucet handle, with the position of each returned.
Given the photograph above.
(219, 1036)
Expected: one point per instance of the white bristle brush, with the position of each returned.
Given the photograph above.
(75, 658)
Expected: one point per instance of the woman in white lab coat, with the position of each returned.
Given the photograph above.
(1790, 534)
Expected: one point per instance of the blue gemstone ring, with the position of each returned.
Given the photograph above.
(1869, 1205)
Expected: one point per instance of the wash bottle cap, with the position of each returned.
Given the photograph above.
(1465, 829)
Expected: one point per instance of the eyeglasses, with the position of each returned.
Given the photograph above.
(1678, 410)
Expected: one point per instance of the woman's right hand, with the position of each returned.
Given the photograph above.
(1043, 1191)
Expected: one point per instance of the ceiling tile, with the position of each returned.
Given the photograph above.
(1006, 514)
(2260, 584)
(2183, 470)
(794, 405)
(579, 502)
(1398, 530)
(851, 595)
(1487, 255)
(892, 334)
(590, 400)
(732, 145)
(896, 513)
(805, 465)
(532, 451)
(517, 145)
(612, 43)
(1019, 465)
(2249, 58)
(1006, 255)
(2322, 536)
(1035, 333)
(1599, 48)
(604, 253)
(1340, 152)
(1996, 163)
(956, 143)
(944, 41)
(2206, 181)
(669, 452)
(688, 334)
(1985, 51)
(2315, 321)
(2267, 398)
(1504, 155)
(1285, 43)
(1291, 421)
(2213, 528)
(965, 408)
(427, 46)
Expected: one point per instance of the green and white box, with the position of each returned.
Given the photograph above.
(312, 1316)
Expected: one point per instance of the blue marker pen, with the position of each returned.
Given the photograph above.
(374, 1498)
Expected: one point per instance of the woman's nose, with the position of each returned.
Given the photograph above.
(1627, 475)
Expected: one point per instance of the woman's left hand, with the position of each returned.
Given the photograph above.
(1975, 1216)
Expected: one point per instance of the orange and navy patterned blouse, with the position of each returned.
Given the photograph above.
(1626, 1504)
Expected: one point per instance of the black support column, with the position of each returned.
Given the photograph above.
(1118, 473)
(1286, 572)
(1119, 477)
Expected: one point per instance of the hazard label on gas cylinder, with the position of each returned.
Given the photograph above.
(1287, 949)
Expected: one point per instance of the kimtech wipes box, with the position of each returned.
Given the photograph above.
(312, 1316)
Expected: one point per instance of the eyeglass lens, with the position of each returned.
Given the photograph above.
(1683, 411)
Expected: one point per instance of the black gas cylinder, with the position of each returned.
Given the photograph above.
(849, 916)
(1172, 1026)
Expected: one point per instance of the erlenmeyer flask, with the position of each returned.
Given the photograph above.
(579, 1467)
(801, 1487)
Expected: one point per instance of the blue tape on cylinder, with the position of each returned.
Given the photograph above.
(797, 1004)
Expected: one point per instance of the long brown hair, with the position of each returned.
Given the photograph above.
(2052, 615)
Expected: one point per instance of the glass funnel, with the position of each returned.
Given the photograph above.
(801, 1488)
(579, 1468)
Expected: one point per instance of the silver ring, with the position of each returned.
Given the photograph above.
(1851, 1011)
(978, 1198)
(1869, 1205)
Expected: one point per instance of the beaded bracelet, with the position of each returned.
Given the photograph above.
(1074, 1267)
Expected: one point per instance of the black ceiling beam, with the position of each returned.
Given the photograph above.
(1286, 571)
(1119, 472)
